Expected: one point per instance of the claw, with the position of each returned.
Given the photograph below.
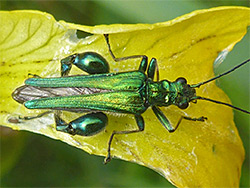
(107, 159)
(203, 118)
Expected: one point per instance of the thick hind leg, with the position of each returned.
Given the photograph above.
(90, 62)
(86, 125)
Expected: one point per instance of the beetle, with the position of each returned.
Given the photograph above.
(131, 92)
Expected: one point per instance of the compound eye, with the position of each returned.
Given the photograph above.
(181, 80)
(183, 105)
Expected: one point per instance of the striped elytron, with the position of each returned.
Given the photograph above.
(130, 92)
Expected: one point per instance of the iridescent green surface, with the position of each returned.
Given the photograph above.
(58, 161)
(129, 92)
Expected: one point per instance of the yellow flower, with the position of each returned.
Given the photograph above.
(198, 154)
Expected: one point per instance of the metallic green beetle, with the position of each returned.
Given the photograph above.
(130, 92)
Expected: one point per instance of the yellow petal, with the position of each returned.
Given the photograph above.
(205, 154)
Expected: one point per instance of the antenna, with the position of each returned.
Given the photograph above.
(214, 78)
(218, 102)
(223, 74)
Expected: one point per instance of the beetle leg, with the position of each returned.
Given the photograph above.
(162, 118)
(17, 119)
(90, 62)
(34, 117)
(66, 65)
(144, 58)
(153, 66)
(140, 124)
(34, 75)
(86, 125)
(164, 121)
(202, 118)
(106, 36)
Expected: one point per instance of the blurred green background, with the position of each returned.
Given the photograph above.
(29, 160)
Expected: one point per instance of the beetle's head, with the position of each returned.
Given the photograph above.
(183, 93)
(178, 93)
